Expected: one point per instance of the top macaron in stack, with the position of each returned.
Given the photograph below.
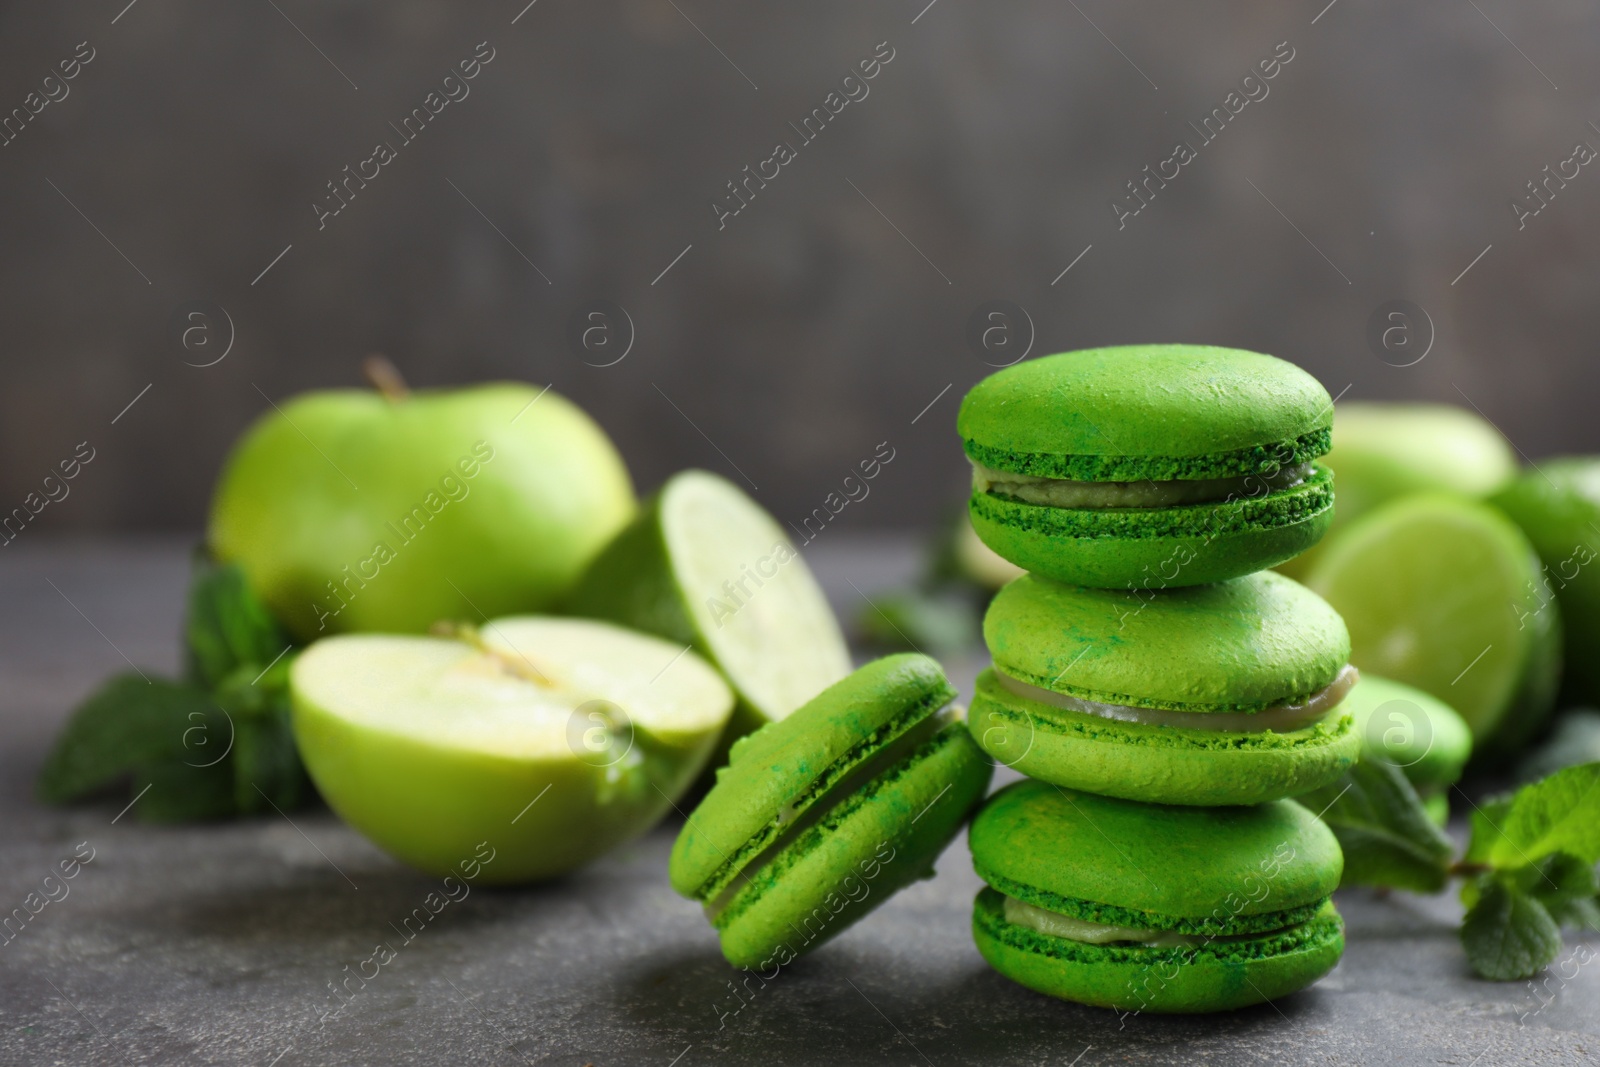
(1148, 656)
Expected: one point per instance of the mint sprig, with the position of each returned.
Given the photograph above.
(1528, 869)
(213, 745)
(1508, 934)
(1560, 813)
(129, 722)
(228, 629)
(1386, 835)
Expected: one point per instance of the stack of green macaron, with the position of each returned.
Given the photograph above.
(1167, 693)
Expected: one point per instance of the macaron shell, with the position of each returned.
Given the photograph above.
(873, 845)
(1212, 977)
(1174, 402)
(1046, 843)
(1156, 764)
(1241, 645)
(779, 765)
(1156, 548)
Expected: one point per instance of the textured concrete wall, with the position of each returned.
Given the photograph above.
(792, 337)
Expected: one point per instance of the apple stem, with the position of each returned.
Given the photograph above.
(385, 377)
(515, 663)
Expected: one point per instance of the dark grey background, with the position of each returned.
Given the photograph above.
(810, 329)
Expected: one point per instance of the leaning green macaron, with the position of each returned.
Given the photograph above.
(1424, 737)
(1216, 694)
(1155, 466)
(821, 816)
(1141, 907)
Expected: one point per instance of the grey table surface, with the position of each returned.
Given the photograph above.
(219, 944)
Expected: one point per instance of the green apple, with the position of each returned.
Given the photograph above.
(551, 740)
(1383, 451)
(704, 565)
(1558, 507)
(352, 510)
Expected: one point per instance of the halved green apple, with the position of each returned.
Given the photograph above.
(553, 740)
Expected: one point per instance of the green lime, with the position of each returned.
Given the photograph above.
(1558, 507)
(957, 556)
(979, 563)
(1440, 593)
(1421, 735)
(1382, 452)
(704, 565)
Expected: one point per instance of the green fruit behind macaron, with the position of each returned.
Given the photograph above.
(1383, 451)
(1557, 505)
(1445, 594)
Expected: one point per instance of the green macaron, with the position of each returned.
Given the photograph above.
(1213, 694)
(820, 817)
(1142, 907)
(1155, 466)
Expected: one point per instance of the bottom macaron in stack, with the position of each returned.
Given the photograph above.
(1159, 908)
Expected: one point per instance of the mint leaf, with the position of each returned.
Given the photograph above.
(1560, 813)
(182, 792)
(1565, 885)
(1508, 934)
(216, 745)
(228, 629)
(266, 765)
(1583, 913)
(1556, 879)
(126, 723)
(1487, 819)
(1383, 829)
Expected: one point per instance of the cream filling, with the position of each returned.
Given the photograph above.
(795, 823)
(1065, 493)
(1280, 718)
(1055, 924)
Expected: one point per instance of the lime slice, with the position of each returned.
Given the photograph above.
(705, 566)
(548, 741)
(1441, 593)
(1382, 452)
(1558, 507)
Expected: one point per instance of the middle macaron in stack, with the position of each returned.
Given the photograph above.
(1148, 656)
(1210, 694)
